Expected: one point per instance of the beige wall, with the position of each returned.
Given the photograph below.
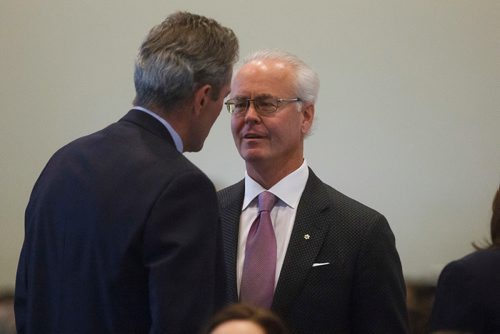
(408, 117)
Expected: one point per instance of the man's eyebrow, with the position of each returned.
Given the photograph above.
(264, 96)
(240, 97)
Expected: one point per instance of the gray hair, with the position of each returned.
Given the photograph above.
(307, 81)
(181, 54)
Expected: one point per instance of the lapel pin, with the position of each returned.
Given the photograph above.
(306, 236)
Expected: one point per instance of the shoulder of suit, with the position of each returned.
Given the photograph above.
(229, 193)
(478, 261)
(343, 205)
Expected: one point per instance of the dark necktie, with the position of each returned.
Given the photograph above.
(259, 268)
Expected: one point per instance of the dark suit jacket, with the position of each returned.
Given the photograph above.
(120, 237)
(361, 290)
(468, 294)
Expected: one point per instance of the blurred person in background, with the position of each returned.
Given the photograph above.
(245, 319)
(468, 292)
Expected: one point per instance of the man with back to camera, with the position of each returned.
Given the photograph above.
(322, 261)
(121, 227)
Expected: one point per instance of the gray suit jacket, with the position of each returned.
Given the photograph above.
(341, 272)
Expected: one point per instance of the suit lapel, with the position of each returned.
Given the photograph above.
(231, 200)
(307, 237)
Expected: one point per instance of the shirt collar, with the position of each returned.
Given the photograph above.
(289, 189)
(175, 136)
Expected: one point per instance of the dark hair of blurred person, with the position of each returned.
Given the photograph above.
(242, 319)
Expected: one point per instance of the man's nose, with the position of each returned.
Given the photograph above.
(251, 112)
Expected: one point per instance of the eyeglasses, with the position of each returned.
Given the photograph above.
(264, 105)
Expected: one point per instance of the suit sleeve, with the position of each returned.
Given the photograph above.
(180, 247)
(379, 287)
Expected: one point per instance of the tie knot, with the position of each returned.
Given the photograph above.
(266, 201)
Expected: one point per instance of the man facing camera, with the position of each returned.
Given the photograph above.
(121, 229)
(322, 261)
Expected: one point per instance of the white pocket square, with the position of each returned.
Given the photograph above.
(321, 264)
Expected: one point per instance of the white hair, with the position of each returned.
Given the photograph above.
(307, 81)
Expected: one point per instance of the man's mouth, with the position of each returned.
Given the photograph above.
(252, 136)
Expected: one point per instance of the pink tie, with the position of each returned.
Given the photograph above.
(259, 268)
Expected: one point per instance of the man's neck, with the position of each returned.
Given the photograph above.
(268, 174)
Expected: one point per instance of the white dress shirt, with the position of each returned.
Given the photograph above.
(175, 136)
(288, 190)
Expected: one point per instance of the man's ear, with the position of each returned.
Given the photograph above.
(308, 117)
(201, 97)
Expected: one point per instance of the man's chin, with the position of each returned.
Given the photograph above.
(251, 156)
